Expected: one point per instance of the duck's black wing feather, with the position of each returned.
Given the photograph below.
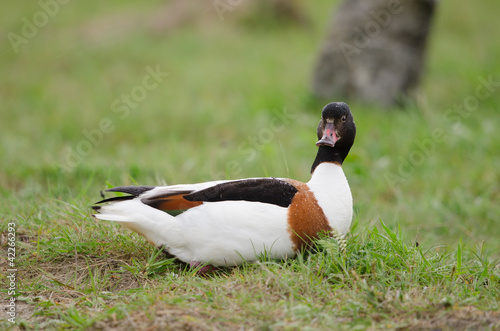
(266, 190)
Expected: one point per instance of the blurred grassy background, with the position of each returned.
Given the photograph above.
(226, 79)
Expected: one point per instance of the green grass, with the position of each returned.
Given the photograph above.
(226, 82)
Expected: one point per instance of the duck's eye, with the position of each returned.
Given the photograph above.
(344, 118)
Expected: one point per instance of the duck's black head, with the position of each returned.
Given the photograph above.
(336, 133)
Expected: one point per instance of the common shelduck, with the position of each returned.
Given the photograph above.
(223, 223)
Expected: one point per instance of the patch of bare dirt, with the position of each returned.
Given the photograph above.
(164, 317)
(64, 280)
(463, 318)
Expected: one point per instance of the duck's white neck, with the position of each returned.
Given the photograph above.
(326, 172)
(331, 189)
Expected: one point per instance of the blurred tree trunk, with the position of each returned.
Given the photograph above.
(374, 51)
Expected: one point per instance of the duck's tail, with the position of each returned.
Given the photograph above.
(134, 214)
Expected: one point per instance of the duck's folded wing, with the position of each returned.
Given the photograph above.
(265, 190)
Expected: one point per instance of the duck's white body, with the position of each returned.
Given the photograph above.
(224, 223)
(226, 233)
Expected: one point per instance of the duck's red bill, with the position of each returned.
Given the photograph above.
(329, 136)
